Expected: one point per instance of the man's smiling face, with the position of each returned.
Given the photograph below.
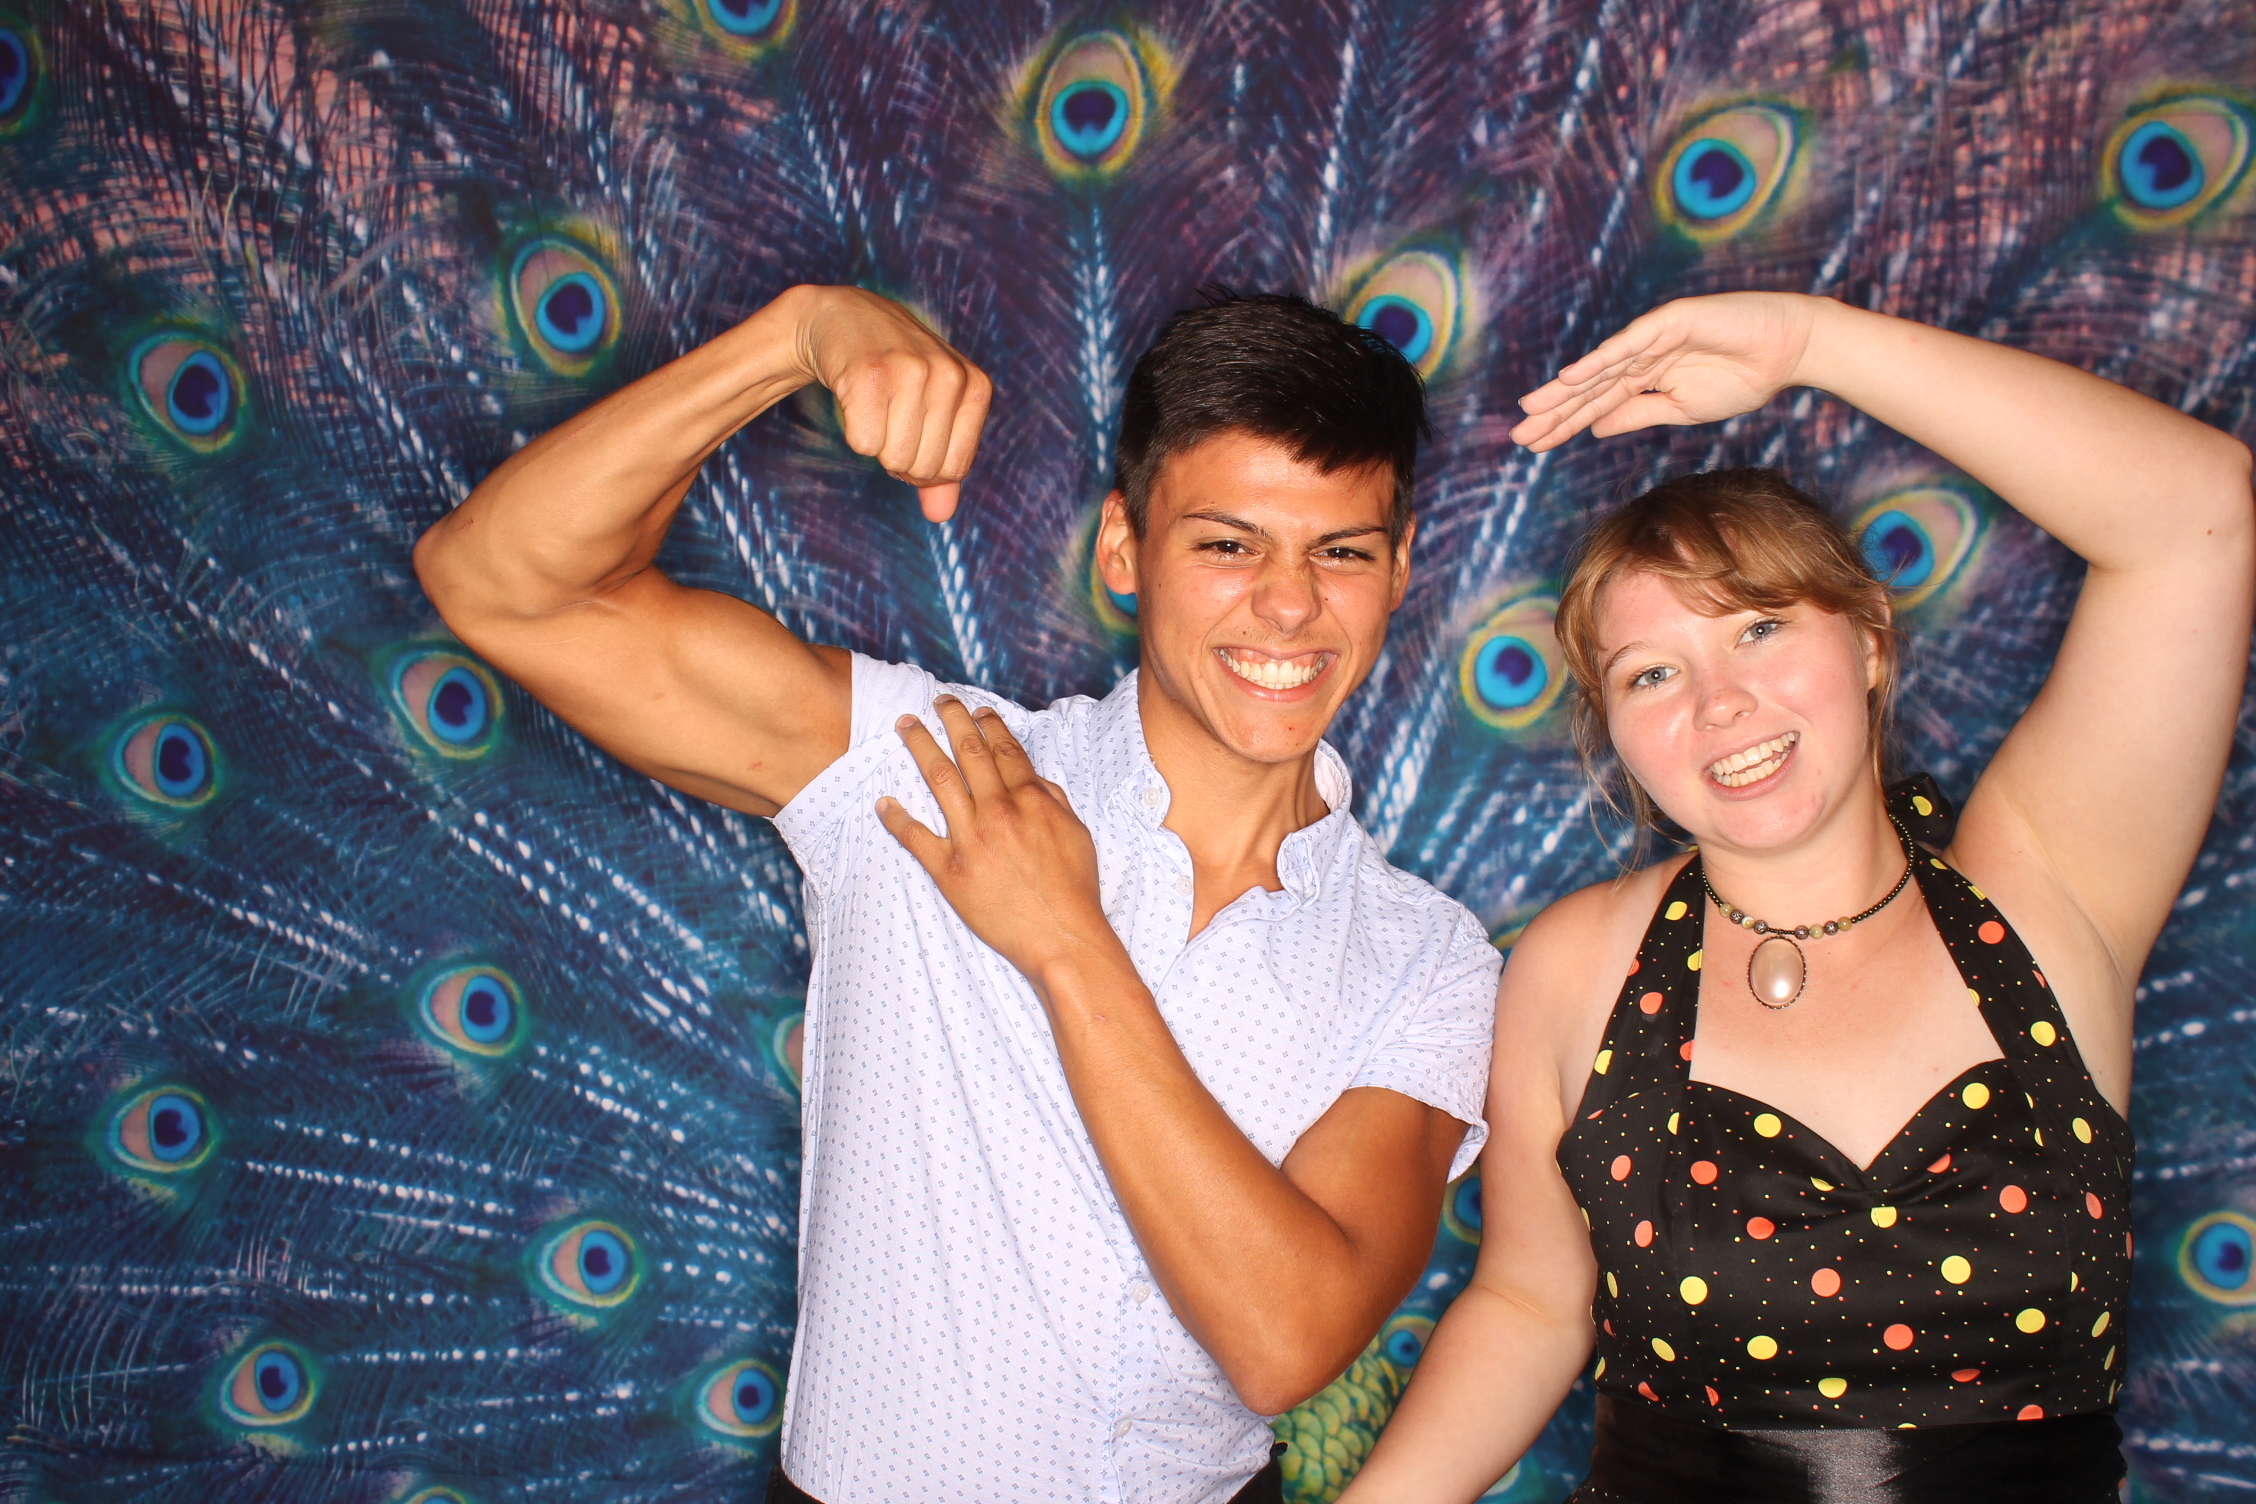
(1263, 587)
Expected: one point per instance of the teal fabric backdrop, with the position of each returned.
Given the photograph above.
(400, 1096)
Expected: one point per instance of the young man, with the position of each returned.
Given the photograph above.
(1118, 1137)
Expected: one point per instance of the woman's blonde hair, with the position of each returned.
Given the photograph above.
(1728, 540)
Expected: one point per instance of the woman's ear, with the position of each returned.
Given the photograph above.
(1878, 648)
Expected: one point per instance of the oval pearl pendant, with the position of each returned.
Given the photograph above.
(1777, 972)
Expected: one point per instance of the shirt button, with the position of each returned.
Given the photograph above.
(1153, 796)
(1140, 1294)
(1184, 886)
(1121, 1429)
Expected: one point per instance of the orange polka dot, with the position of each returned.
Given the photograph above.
(1685, 1050)
(1647, 1391)
(1651, 1002)
(1608, 1323)
(2031, 1412)
(2041, 982)
(1644, 1235)
(1897, 1337)
(1620, 1169)
(1759, 1228)
(1965, 1375)
(2014, 1199)
(2092, 1205)
(1714, 1398)
(1992, 932)
(1826, 1282)
(1704, 1171)
(1939, 1166)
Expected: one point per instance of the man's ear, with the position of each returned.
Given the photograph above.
(1401, 564)
(1116, 546)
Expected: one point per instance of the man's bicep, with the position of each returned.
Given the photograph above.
(698, 689)
(1378, 1163)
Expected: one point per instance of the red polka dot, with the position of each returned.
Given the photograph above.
(1647, 1391)
(1644, 1235)
(1759, 1228)
(2091, 1204)
(1826, 1282)
(2127, 1245)
(1991, 932)
(1608, 1323)
(1965, 1375)
(1685, 1050)
(1620, 1170)
(2014, 1199)
(1939, 1166)
(1714, 1398)
(1704, 1171)
(1897, 1337)
(1651, 1002)
(2031, 1412)
(1633, 965)
(2041, 982)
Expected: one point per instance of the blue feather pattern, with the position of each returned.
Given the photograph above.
(400, 1095)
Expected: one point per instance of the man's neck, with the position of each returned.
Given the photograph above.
(1233, 813)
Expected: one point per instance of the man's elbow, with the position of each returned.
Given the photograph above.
(1285, 1375)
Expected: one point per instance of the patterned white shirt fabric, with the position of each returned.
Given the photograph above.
(976, 1321)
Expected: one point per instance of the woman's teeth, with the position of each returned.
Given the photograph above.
(1272, 673)
(1755, 764)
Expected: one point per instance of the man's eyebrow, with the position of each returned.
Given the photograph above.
(1360, 530)
(1226, 520)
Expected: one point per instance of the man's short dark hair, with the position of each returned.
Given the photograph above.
(1334, 395)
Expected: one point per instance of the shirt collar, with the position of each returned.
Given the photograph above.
(1128, 778)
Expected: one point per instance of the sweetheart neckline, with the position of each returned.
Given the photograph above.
(1950, 1088)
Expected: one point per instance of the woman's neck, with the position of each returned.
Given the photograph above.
(1841, 867)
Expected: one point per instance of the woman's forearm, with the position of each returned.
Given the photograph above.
(2120, 479)
(1496, 1369)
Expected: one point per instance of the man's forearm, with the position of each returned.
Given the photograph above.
(1275, 1289)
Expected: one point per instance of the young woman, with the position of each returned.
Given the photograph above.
(1817, 1133)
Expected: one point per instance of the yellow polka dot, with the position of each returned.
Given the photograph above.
(1605, 1059)
(1586, 1216)
(1663, 1351)
(1694, 962)
(1695, 1289)
(1673, 1119)
(1976, 996)
(2083, 1131)
(1919, 802)
(1976, 1095)
(1676, 910)
(2031, 1320)
(1937, 863)
(2100, 1326)
(1767, 1124)
(1978, 893)
(2039, 1132)
(1762, 1348)
(1883, 1216)
(1956, 1270)
(2074, 1280)
(1905, 1425)
(1613, 1288)
(1823, 1185)
(2043, 1032)
(1600, 1371)
(2109, 1360)
(1832, 1389)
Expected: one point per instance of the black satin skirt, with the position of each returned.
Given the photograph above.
(1644, 1456)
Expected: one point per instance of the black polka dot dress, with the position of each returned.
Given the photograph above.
(1752, 1276)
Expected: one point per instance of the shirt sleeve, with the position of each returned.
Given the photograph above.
(1436, 1050)
(814, 822)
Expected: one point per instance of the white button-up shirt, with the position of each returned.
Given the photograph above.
(976, 1321)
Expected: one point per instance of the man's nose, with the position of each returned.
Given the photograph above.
(1286, 596)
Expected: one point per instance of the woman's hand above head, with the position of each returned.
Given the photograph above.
(1695, 360)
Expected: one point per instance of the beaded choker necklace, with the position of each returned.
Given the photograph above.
(1778, 971)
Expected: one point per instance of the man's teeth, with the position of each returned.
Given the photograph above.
(1271, 673)
(1755, 764)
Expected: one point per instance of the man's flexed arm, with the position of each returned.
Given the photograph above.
(1282, 1274)
(546, 570)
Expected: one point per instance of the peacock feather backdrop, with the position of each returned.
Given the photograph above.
(400, 1096)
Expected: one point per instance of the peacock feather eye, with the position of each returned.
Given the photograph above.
(742, 25)
(741, 1401)
(1725, 169)
(1919, 540)
(1461, 1207)
(476, 1010)
(2217, 1258)
(1096, 101)
(789, 1041)
(190, 387)
(22, 66)
(2176, 159)
(167, 760)
(450, 700)
(163, 1130)
(1402, 1341)
(439, 1495)
(1511, 671)
(565, 304)
(589, 1264)
(271, 1385)
(1413, 300)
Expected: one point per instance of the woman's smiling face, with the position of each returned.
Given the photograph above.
(1746, 728)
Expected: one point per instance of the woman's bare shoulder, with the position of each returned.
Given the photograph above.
(1594, 928)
